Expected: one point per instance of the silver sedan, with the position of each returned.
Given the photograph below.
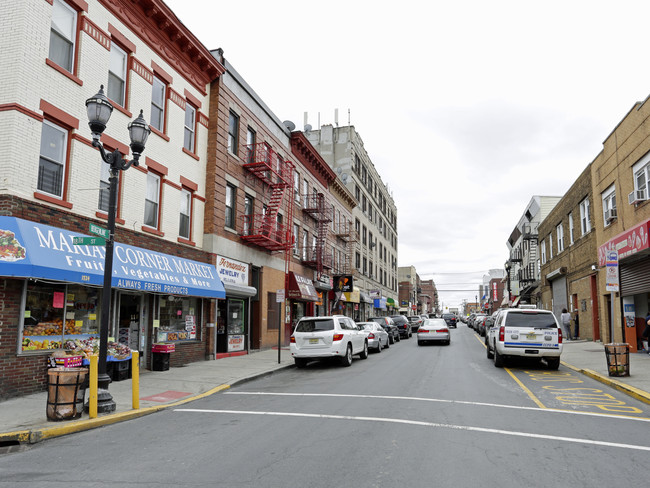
(434, 330)
(377, 335)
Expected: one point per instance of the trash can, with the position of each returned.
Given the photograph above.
(618, 359)
(65, 393)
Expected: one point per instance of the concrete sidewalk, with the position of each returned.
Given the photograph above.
(23, 420)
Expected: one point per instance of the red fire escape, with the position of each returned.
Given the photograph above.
(264, 230)
(316, 256)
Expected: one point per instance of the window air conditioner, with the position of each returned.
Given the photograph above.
(610, 214)
(637, 196)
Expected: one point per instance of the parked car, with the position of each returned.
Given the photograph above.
(376, 334)
(415, 321)
(451, 319)
(526, 333)
(434, 330)
(327, 337)
(403, 325)
(474, 323)
(479, 324)
(389, 326)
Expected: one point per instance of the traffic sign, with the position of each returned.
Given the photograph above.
(611, 277)
(98, 231)
(88, 241)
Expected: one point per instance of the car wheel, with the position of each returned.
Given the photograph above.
(553, 363)
(364, 354)
(490, 354)
(397, 338)
(300, 362)
(347, 359)
(498, 359)
(448, 342)
(379, 346)
(391, 340)
(419, 343)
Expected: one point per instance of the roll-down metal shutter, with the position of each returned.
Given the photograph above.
(635, 277)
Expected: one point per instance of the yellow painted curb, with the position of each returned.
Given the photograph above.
(33, 436)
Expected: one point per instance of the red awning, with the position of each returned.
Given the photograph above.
(301, 288)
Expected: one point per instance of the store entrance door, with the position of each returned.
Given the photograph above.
(131, 323)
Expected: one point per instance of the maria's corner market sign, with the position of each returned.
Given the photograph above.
(32, 250)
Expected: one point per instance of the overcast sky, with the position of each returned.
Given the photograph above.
(467, 108)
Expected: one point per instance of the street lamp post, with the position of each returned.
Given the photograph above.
(99, 110)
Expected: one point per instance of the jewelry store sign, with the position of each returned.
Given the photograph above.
(232, 271)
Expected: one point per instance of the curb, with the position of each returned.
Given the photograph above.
(33, 436)
(620, 386)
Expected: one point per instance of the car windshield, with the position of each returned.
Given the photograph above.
(313, 325)
(531, 319)
(435, 323)
(448, 316)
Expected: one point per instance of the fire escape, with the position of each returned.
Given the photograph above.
(347, 233)
(316, 256)
(264, 230)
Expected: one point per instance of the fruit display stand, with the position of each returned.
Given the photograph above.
(160, 355)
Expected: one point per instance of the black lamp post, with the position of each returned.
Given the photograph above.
(99, 110)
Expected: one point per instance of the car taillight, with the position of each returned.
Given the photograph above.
(502, 333)
(559, 336)
(443, 330)
(337, 337)
(371, 336)
(293, 340)
(423, 331)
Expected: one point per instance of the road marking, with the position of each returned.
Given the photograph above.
(438, 400)
(526, 389)
(421, 424)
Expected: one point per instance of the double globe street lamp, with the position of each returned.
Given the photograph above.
(99, 110)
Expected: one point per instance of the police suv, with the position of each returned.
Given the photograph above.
(527, 333)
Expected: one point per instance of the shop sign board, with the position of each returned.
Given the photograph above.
(611, 281)
(626, 243)
(232, 271)
(33, 250)
(235, 343)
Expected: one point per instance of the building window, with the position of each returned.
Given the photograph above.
(104, 186)
(117, 75)
(63, 35)
(543, 248)
(357, 260)
(152, 199)
(158, 100)
(585, 225)
(571, 235)
(560, 238)
(296, 187)
(250, 144)
(231, 194)
(550, 246)
(51, 168)
(185, 214)
(357, 193)
(189, 141)
(609, 205)
(296, 234)
(641, 172)
(305, 239)
(364, 236)
(233, 131)
(365, 266)
(305, 192)
(249, 205)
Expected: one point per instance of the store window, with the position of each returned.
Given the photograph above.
(57, 313)
(179, 318)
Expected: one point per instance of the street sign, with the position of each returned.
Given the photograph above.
(279, 295)
(611, 281)
(98, 231)
(88, 241)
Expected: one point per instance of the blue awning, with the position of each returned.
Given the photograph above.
(380, 303)
(32, 250)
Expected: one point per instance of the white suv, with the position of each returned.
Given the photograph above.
(326, 337)
(526, 333)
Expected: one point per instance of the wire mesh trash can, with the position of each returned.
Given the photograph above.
(65, 393)
(618, 359)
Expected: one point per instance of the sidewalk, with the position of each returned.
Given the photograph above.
(23, 420)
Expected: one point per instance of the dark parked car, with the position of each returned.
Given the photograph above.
(416, 321)
(389, 326)
(403, 325)
(451, 319)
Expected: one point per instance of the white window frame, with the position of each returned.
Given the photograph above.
(585, 224)
(61, 11)
(571, 229)
(251, 137)
(152, 199)
(296, 186)
(550, 246)
(296, 236)
(543, 248)
(157, 119)
(609, 202)
(59, 159)
(185, 212)
(559, 230)
(189, 131)
(112, 70)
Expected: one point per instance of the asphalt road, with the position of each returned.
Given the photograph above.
(409, 416)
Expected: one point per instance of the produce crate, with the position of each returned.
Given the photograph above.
(66, 361)
(162, 347)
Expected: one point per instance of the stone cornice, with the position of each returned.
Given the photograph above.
(155, 23)
(309, 157)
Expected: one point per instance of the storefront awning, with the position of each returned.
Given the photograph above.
(390, 302)
(240, 290)
(365, 298)
(354, 296)
(32, 250)
(380, 303)
(301, 288)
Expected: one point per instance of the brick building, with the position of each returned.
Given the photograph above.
(567, 244)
